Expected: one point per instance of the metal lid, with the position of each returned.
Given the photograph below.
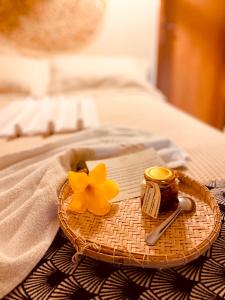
(159, 174)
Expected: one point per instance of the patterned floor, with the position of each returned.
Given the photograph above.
(56, 277)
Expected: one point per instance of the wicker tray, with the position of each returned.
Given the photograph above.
(119, 237)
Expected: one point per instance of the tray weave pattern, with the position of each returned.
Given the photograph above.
(119, 237)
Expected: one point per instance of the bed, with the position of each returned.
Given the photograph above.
(125, 98)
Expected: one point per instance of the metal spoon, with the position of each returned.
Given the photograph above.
(185, 204)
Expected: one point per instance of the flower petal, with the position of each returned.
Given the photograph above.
(109, 188)
(98, 174)
(78, 203)
(78, 180)
(97, 203)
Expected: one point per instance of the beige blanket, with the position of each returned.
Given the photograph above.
(28, 191)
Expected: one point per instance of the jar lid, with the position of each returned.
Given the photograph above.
(159, 174)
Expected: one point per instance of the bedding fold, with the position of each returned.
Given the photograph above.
(46, 116)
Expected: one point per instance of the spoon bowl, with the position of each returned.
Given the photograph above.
(185, 204)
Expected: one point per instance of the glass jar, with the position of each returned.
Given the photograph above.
(167, 182)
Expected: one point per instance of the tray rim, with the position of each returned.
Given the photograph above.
(107, 254)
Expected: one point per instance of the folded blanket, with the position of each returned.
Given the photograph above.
(58, 114)
(29, 181)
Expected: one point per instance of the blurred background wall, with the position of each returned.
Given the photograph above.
(130, 28)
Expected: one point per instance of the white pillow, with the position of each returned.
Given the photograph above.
(19, 74)
(83, 72)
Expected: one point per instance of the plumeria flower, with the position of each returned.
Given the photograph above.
(92, 191)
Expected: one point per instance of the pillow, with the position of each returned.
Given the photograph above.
(22, 75)
(83, 72)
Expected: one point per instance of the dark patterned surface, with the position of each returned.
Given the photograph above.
(56, 277)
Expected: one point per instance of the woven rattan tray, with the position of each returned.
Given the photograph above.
(119, 237)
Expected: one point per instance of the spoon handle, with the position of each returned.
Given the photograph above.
(155, 234)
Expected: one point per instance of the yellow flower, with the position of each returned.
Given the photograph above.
(92, 191)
